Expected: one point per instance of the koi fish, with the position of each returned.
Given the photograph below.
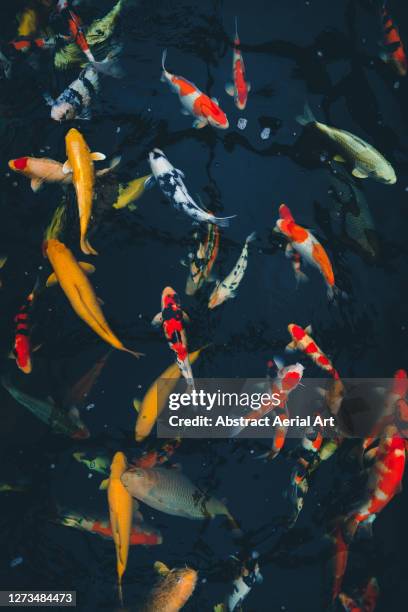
(239, 87)
(301, 340)
(171, 492)
(170, 181)
(194, 102)
(99, 464)
(202, 262)
(66, 423)
(305, 244)
(75, 101)
(366, 161)
(367, 601)
(120, 511)
(173, 590)
(28, 23)
(249, 575)
(132, 191)
(43, 170)
(80, 163)
(152, 405)
(384, 482)
(393, 49)
(141, 534)
(97, 34)
(22, 342)
(24, 44)
(76, 286)
(159, 456)
(79, 391)
(171, 318)
(227, 289)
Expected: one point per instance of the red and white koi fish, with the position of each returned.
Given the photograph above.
(302, 341)
(239, 88)
(195, 102)
(366, 602)
(22, 343)
(171, 318)
(23, 44)
(384, 482)
(393, 50)
(303, 242)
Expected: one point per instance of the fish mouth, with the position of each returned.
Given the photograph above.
(11, 164)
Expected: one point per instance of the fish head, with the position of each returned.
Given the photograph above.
(21, 164)
(137, 481)
(296, 331)
(159, 163)
(291, 376)
(169, 298)
(180, 583)
(119, 465)
(63, 112)
(215, 116)
(386, 175)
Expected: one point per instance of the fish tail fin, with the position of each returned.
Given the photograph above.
(120, 591)
(334, 294)
(164, 73)
(134, 353)
(307, 116)
(110, 65)
(223, 221)
(301, 277)
(86, 248)
(236, 28)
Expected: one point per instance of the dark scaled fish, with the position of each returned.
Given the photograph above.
(202, 261)
(352, 215)
(79, 391)
(22, 348)
(66, 423)
(172, 591)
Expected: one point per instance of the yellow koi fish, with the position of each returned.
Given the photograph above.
(80, 163)
(149, 409)
(79, 291)
(121, 512)
(130, 192)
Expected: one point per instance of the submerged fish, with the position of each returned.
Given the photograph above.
(393, 51)
(132, 191)
(366, 601)
(153, 403)
(170, 181)
(97, 33)
(99, 464)
(78, 392)
(67, 423)
(249, 575)
(240, 87)
(173, 493)
(195, 102)
(43, 170)
(75, 101)
(201, 263)
(227, 289)
(172, 318)
(302, 341)
(303, 242)
(120, 512)
(366, 161)
(79, 291)
(173, 590)
(22, 339)
(141, 534)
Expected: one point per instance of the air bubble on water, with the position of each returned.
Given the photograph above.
(15, 184)
(16, 561)
(90, 475)
(323, 157)
(252, 451)
(320, 53)
(266, 132)
(8, 174)
(242, 123)
(204, 580)
(118, 129)
(364, 40)
(255, 554)
(140, 315)
(139, 386)
(90, 406)
(396, 85)
(40, 267)
(52, 466)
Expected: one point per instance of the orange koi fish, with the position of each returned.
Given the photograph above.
(305, 244)
(195, 102)
(239, 88)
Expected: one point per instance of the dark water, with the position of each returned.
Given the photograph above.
(325, 52)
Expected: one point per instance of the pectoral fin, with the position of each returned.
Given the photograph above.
(339, 158)
(359, 173)
(136, 404)
(157, 320)
(290, 347)
(86, 267)
(184, 111)
(51, 280)
(198, 124)
(98, 156)
(36, 184)
(161, 568)
(309, 329)
(66, 168)
(229, 88)
(104, 484)
(186, 318)
(249, 86)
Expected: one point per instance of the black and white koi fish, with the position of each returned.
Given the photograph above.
(170, 181)
(75, 100)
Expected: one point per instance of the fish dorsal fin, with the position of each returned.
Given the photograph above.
(98, 156)
(161, 568)
(136, 404)
(67, 168)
